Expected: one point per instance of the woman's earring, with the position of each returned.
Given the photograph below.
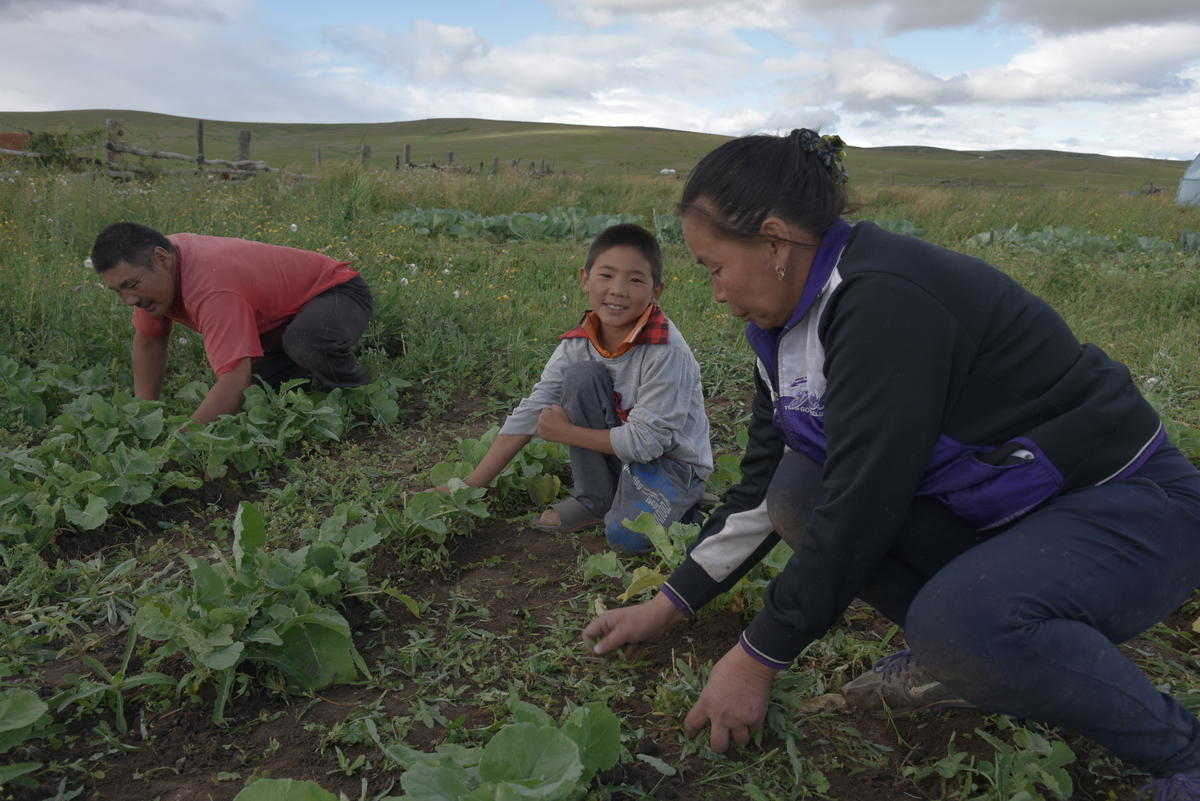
(780, 271)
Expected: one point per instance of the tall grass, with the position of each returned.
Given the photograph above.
(464, 314)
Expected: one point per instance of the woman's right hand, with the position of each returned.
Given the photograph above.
(631, 625)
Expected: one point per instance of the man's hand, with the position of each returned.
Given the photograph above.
(631, 625)
(554, 425)
(734, 701)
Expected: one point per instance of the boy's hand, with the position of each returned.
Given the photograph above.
(554, 425)
(631, 625)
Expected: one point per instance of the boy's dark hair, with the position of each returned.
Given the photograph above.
(798, 178)
(628, 235)
(127, 241)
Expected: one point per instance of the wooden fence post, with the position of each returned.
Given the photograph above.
(243, 145)
(318, 153)
(199, 147)
(364, 155)
(450, 158)
(114, 133)
(495, 164)
(397, 161)
(407, 155)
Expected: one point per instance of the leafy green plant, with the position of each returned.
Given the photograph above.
(528, 758)
(21, 715)
(533, 472)
(1021, 771)
(111, 690)
(272, 608)
(284, 790)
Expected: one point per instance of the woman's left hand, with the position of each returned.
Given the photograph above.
(734, 701)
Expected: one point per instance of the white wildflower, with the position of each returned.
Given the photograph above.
(87, 263)
(413, 268)
(446, 271)
(294, 228)
(182, 340)
(403, 282)
(457, 294)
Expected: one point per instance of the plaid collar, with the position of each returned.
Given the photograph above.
(651, 329)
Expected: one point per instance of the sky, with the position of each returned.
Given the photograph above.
(1095, 76)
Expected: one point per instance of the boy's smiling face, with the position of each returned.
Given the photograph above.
(620, 286)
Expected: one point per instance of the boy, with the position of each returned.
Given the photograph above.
(623, 391)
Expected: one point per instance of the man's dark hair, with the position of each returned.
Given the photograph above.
(751, 178)
(127, 241)
(628, 235)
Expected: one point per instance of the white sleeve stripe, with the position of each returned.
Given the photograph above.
(722, 553)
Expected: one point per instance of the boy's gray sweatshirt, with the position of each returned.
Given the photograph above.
(658, 385)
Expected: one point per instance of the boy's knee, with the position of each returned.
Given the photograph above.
(623, 540)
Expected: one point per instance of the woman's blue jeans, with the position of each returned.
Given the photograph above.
(1027, 621)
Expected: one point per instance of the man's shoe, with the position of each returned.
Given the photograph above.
(900, 683)
(1180, 787)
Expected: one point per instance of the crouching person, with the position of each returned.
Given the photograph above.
(622, 389)
(264, 311)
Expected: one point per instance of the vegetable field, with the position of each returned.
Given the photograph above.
(279, 605)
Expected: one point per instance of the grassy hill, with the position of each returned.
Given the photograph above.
(577, 148)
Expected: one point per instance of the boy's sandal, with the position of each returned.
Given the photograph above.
(572, 516)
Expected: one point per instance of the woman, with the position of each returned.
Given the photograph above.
(931, 438)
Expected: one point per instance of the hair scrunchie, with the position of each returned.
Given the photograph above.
(829, 149)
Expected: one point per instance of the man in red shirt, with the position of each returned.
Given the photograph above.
(264, 311)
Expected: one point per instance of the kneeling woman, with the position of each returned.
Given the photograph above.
(929, 437)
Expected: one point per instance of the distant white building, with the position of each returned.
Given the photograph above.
(666, 171)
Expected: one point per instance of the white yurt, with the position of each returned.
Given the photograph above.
(1189, 185)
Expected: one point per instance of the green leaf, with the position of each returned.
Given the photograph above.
(149, 426)
(224, 658)
(440, 781)
(16, 770)
(603, 564)
(317, 651)
(525, 712)
(93, 516)
(284, 790)
(597, 732)
(19, 710)
(541, 760)
(543, 488)
(362, 537)
(644, 578)
(249, 532)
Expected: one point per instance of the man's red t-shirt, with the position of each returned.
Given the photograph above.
(232, 291)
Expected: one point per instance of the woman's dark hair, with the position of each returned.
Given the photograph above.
(127, 241)
(628, 235)
(798, 178)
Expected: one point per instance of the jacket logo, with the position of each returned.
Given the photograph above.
(799, 399)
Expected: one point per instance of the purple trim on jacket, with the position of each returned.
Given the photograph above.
(676, 599)
(759, 656)
(765, 341)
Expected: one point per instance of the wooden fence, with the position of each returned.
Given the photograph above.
(118, 167)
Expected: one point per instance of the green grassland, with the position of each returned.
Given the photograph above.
(589, 148)
(466, 320)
